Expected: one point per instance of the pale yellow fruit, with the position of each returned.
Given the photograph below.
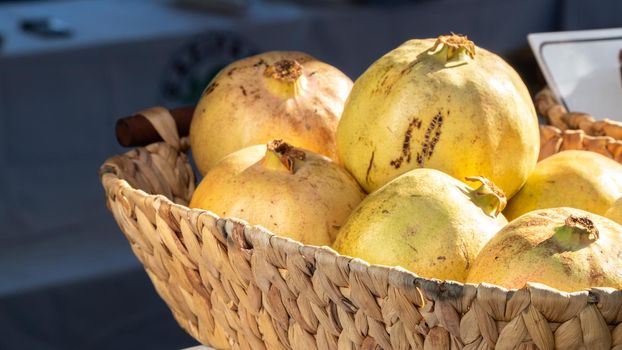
(274, 95)
(446, 105)
(615, 212)
(577, 179)
(425, 221)
(568, 249)
(292, 192)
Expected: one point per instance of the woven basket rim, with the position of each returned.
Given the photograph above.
(558, 117)
(398, 276)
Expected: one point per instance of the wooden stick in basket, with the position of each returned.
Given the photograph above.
(135, 130)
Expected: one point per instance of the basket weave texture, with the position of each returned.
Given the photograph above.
(576, 131)
(232, 285)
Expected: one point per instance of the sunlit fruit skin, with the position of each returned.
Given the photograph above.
(308, 203)
(278, 94)
(577, 179)
(425, 221)
(463, 116)
(615, 212)
(542, 247)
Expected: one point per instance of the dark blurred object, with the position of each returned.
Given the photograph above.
(119, 311)
(48, 27)
(136, 130)
(193, 65)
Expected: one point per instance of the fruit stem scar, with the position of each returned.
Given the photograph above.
(285, 153)
(288, 70)
(284, 78)
(584, 225)
(488, 196)
(452, 47)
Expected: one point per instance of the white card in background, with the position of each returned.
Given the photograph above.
(583, 68)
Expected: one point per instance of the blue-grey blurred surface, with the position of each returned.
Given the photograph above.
(109, 312)
(61, 254)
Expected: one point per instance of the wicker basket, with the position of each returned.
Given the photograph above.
(232, 285)
(572, 130)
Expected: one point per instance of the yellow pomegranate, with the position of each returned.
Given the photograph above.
(292, 192)
(615, 212)
(425, 221)
(443, 104)
(288, 95)
(565, 248)
(578, 179)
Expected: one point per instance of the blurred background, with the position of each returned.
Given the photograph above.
(70, 68)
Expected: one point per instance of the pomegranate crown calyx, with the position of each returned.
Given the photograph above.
(285, 70)
(453, 46)
(284, 78)
(584, 226)
(488, 196)
(286, 154)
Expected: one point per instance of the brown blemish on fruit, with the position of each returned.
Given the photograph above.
(210, 88)
(406, 152)
(595, 270)
(371, 162)
(243, 90)
(534, 221)
(389, 78)
(230, 72)
(430, 139)
(412, 247)
(465, 254)
(410, 67)
(384, 80)
(379, 86)
(442, 258)
(566, 264)
(260, 63)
